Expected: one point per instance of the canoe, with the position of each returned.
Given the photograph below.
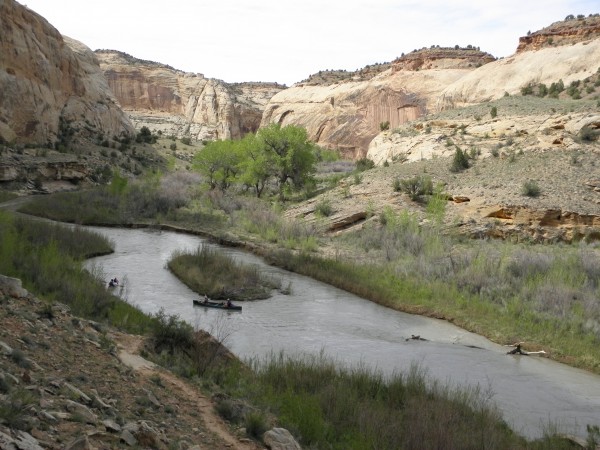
(217, 305)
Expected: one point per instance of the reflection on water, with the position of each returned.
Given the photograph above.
(532, 392)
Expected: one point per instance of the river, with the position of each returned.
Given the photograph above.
(532, 392)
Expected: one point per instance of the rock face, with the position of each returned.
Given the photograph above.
(442, 58)
(548, 64)
(50, 86)
(566, 32)
(346, 115)
(542, 130)
(184, 104)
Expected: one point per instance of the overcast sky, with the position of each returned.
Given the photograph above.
(286, 41)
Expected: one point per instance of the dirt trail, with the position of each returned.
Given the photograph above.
(129, 346)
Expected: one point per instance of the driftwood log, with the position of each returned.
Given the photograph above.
(517, 350)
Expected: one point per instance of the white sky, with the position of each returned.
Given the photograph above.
(286, 41)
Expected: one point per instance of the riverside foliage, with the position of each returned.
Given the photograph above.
(47, 258)
(217, 275)
(277, 155)
(495, 288)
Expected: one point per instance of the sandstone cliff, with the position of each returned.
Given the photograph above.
(345, 115)
(50, 86)
(569, 31)
(575, 57)
(184, 104)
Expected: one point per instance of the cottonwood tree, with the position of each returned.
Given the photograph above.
(282, 155)
(291, 153)
(256, 166)
(219, 162)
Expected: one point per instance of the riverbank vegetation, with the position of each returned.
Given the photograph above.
(542, 295)
(327, 405)
(219, 276)
(507, 291)
(47, 258)
(322, 403)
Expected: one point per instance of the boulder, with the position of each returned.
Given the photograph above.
(12, 287)
(280, 439)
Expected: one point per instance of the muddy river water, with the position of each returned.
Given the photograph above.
(532, 392)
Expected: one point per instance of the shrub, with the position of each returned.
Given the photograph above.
(13, 409)
(172, 333)
(256, 424)
(19, 358)
(364, 164)
(323, 208)
(186, 140)
(460, 161)
(384, 126)
(228, 410)
(531, 189)
(494, 112)
(416, 187)
(145, 136)
(173, 146)
(5, 385)
(527, 90)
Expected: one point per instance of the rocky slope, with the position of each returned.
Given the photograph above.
(184, 104)
(529, 140)
(51, 86)
(345, 115)
(70, 383)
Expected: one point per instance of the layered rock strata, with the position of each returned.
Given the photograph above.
(577, 59)
(347, 115)
(184, 104)
(566, 32)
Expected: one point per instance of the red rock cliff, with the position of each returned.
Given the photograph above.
(184, 104)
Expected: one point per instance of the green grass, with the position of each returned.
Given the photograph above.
(217, 275)
(48, 257)
(328, 406)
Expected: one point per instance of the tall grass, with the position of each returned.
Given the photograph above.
(6, 196)
(326, 406)
(121, 203)
(47, 258)
(262, 220)
(219, 276)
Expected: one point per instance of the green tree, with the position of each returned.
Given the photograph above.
(219, 162)
(145, 136)
(256, 165)
(290, 154)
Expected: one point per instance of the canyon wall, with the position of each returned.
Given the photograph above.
(51, 86)
(345, 112)
(567, 51)
(184, 104)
